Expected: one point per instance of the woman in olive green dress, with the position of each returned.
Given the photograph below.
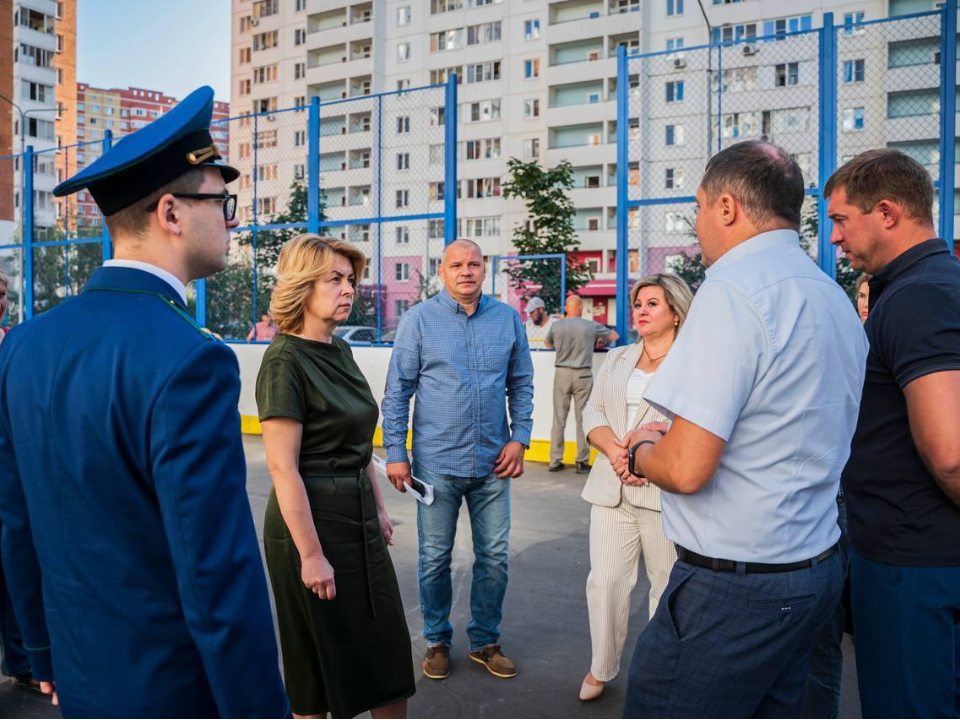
(343, 633)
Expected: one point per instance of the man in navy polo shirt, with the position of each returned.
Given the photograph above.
(902, 482)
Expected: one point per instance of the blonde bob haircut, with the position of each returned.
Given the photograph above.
(675, 290)
(302, 262)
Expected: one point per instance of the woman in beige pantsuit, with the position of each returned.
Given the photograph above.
(625, 518)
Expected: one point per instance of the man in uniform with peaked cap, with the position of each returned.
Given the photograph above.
(128, 542)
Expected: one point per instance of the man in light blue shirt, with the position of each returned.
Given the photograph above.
(465, 357)
(763, 386)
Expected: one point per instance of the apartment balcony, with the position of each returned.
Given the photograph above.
(593, 197)
(325, 34)
(581, 155)
(581, 113)
(581, 71)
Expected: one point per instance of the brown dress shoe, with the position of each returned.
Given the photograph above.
(493, 659)
(436, 665)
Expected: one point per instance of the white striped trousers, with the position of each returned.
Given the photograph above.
(617, 538)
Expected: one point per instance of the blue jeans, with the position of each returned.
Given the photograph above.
(908, 638)
(14, 660)
(725, 644)
(821, 696)
(488, 501)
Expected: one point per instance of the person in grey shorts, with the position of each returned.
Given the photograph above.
(574, 339)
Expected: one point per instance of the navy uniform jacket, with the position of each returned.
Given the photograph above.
(128, 541)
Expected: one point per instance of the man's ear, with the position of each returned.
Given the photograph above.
(890, 212)
(169, 214)
(728, 209)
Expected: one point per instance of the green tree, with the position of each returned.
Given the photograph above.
(549, 230)
(61, 271)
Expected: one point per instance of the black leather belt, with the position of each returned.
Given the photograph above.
(750, 568)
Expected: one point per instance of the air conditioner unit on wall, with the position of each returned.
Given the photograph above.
(750, 49)
(254, 22)
(679, 63)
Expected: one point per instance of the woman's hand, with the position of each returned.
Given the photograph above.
(386, 527)
(317, 574)
(617, 455)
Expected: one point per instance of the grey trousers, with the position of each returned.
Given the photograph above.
(576, 383)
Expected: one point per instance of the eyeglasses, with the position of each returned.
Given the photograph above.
(229, 202)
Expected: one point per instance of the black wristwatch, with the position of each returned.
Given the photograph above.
(633, 450)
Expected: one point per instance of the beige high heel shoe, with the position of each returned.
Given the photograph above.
(591, 688)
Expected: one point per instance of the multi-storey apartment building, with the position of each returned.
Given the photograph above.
(37, 87)
(538, 81)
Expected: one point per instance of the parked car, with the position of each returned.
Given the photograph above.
(356, 333)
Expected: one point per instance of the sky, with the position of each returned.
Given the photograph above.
(173, 46)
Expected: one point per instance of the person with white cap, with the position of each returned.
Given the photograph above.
(538, 323)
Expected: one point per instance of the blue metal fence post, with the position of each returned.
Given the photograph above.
(26, 198)
(826, 255)
(623, 176)
(948, 118)
(719, 97)
(105, 242)
(313, 166)
(379, 218)
(450, 162)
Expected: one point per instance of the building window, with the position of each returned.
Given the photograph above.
(446, 40)
(403, 198)
(484, 33)
(403, 84)
(299, 36)
(531, 68)
(483, 72)
(853, 71)
(403, 161)
(673, 179)
(437, 116)
(403, 15)
(436, 191)
(299, 138)
(402, 272)
(484, 111)
(244, 55)
(403, 52)
(400, 307)
(403, 125)
(435, 230)
(531, 108)
(853, 119)
(301, 5)
(787, 74)
(299, 171)
(675, 43)
(850, 20)
(531, 148)
(266, 41)
(675, 91)
(674, 134)
(531, 29)
(674, 7)
(403, 235)
(299, 71)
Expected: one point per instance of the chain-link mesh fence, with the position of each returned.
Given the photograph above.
(517, 279)
(11, 240)
(767, 83)
(380, 163)
(67, 232)
(888, 88)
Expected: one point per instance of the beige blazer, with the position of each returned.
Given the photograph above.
(608, 406)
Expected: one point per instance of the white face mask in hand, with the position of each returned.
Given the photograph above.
(423, 492)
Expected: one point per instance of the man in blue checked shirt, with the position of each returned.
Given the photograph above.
(461, 353)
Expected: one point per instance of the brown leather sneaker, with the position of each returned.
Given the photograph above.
(493, 659)
(436, 665)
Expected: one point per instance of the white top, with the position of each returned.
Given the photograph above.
(771, 359)
(169, 278)
(537, 334)
(636, 386)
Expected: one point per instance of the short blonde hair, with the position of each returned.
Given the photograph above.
(302, 262)
(675, 290)
(4, 280)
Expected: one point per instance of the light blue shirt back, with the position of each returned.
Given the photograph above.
(464, 370)
(771, 359)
